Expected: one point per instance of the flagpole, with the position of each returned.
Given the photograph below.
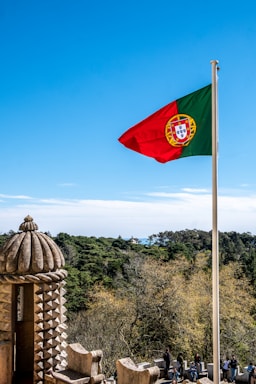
(215, 236)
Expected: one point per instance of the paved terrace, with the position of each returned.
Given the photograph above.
(204, 380)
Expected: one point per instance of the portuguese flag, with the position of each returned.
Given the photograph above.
(182, 128)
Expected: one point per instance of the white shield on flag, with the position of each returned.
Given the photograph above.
(181, 130)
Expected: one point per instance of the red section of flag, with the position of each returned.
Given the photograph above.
(148, 136)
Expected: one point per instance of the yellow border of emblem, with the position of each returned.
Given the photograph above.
(169, 133)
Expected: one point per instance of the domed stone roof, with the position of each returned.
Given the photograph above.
(30, 252)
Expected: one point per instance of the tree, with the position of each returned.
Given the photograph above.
(237, 325)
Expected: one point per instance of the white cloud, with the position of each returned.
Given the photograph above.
(19, 197)
(111, 218)
(195, 190)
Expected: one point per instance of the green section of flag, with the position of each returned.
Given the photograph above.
(198, 106)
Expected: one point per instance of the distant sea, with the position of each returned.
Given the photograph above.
(142, 240)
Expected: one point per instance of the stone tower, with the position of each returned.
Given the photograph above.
(32, 311)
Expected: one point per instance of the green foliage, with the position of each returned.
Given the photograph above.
(176, 249)
(4, 237)
(76, 298)
(92, 260)
(129, 298)
(167, 287)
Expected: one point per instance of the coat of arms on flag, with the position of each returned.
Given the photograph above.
(180, 130)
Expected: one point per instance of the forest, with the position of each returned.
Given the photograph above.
(130, 298)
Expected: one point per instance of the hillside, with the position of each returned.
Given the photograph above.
(132, 299)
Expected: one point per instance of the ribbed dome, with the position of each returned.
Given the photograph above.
(30, 252)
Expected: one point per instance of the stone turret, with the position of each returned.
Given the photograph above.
(30, 252)
(32, 311)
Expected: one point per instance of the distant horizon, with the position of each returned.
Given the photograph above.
(146, 214)
(142, 240)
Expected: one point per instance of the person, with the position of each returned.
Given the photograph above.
(198, 364)
(115, 376)
(167, 359)
(193, 372)
(253, 376)
(250, 369)
(180, 362)
(233, 367)
(225, 369)
(174, 375)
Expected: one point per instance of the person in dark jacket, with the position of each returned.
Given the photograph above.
(180, 366)
(233, 367)
(198, 364)
(167, 359)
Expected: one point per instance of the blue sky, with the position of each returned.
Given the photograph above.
(76, 74)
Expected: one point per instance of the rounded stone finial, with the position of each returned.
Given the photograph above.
(30, 252)
(28, 224)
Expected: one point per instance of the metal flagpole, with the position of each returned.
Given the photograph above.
(215, 235)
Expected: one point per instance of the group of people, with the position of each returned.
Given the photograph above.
(232, 366)
(177, 373)
(229, 369)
